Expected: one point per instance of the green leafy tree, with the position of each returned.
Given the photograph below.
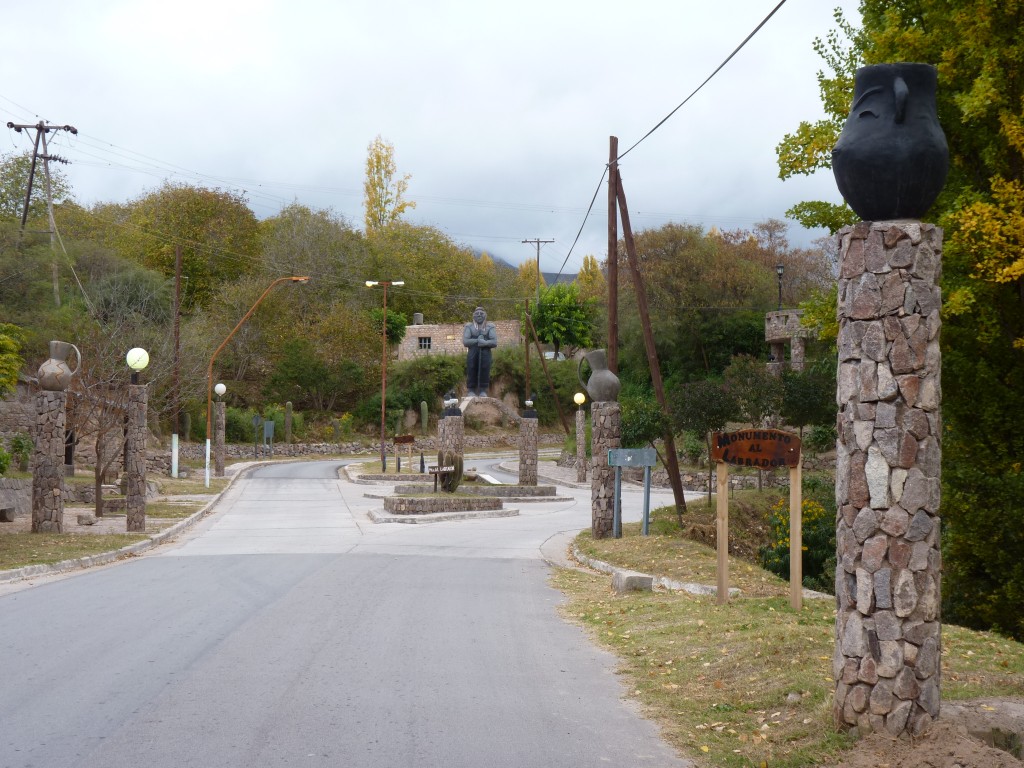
(703, 407)
(809, 395)
(563, 318)
(383, 195)
(591, 280)
(977, 47)
(303, 377)
(757, 392)
(216, 231)
(11, 361)
(14, 174)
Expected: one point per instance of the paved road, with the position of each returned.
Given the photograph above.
(288, 629)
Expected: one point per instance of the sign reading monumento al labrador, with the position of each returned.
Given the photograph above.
(758, 448)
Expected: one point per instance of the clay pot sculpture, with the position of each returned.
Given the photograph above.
(603, 385)
(55, 374)
(891, 158)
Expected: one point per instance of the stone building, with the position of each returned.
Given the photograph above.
(446, 339)
(782, 328)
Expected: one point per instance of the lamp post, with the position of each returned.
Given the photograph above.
(779, 269)
(218, 445)
(209, 369)
(581, 433)
(135, 443)
(383, 363)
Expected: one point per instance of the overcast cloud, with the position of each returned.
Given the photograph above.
(500, 112)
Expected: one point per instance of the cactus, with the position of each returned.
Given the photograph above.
(450, 481)
(424, 416)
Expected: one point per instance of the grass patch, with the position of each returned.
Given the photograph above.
(184, 486)
(750, 682)
(20, 549)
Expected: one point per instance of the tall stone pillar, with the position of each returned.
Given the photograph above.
(451, 433)
(887, 654)
(528, 429)
(581, 449)
(135, 459)
(797, 353)
(48, 463)
(605, 434)
(219, 419)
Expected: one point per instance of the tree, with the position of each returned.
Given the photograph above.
(216, 231)
(562, 317)
(809, 395)
(383, 196)
(703, 407)
(11, 361)
(396, 324)
(14, 174)
(528, 278)
(593, 286)
(757, 392)
(303, 377)
(976, 46)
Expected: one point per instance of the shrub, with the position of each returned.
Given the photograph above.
(818, 533)
(5, 461)
(21, 449)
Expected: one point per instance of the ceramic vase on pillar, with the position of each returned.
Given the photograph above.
(55, 373)
(891, 158)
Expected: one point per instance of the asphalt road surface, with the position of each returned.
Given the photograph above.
(287, 629)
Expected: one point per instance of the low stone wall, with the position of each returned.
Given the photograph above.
(16, 494)
(425, 505)
(499, 491)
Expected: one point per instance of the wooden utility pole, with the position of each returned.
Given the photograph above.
(175, 394)
(671, 459)
(526, 349)
(538, 242)
(41, 129)
(613, 255)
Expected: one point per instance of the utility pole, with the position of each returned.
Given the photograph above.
(41, 129)
(613, 255)
(538, 243)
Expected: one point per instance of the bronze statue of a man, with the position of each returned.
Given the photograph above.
(479, 337)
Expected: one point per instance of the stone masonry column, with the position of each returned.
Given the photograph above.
(48, 463)
(605, 434)
(528, 448)
(219, 421)
(797, 353)
(451, 433)
(581, 451)
(135, 453)
(886, 663)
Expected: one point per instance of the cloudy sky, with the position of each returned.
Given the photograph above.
(501, 113)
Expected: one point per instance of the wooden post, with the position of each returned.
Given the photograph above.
(796, 549)
(722, 533)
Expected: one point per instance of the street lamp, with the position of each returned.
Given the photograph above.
(137, 359)
(779, 269)
(209, 369)
(581, 433)
(383, 362)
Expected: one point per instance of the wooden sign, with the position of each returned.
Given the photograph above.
(402, 439)
(757, 448)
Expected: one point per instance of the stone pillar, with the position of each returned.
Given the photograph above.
(886, 663)
(451, 434)
(135, 464)
(528, 429)
(48, 463)
(581, 448)
(219, 420)
(797, 353)
(605, 434)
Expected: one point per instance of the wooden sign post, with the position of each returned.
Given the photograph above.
(760, 449)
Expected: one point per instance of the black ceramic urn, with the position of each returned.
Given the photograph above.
(891, 159)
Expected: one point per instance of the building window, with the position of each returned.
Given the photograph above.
(424, 342)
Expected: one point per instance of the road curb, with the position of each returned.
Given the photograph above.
(132, 550)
